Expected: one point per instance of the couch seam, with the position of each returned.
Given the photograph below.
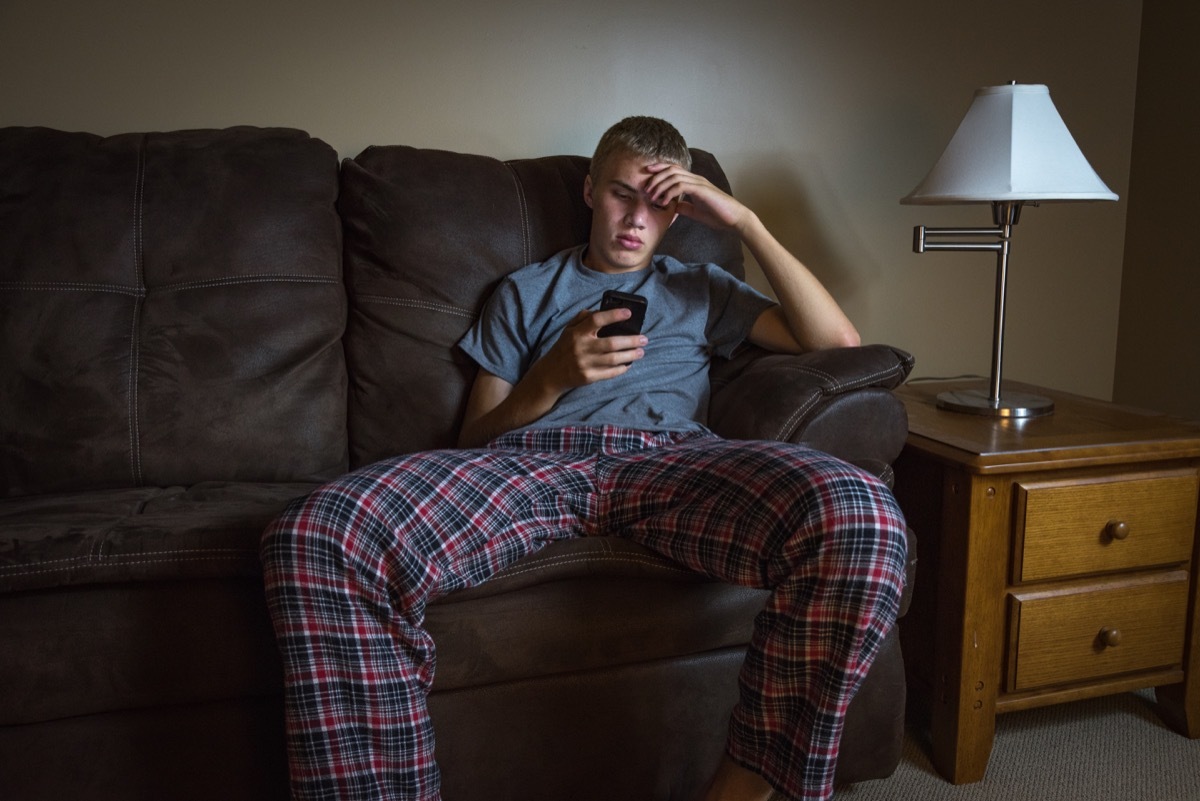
(416, 304)
(129, 563)
(135, 455)
(230, 554)
(120, 560)
(790, 424)
(566, 560)
(836, 387)
(141, 292)
(70, 286)
(526, 256)
(264, 278)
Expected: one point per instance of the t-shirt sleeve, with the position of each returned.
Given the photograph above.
(733, 308)
(497, 341)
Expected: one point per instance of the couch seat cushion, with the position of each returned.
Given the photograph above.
(589, 604)
(584, 604)
(129, 599)
(143, 534)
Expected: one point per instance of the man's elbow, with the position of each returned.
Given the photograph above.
(850, 339)
(845, 337)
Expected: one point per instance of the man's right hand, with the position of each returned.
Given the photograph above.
(580, 356)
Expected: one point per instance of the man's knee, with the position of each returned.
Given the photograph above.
(317, 523)
(864, 526)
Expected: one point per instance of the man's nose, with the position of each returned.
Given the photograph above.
(637, 215)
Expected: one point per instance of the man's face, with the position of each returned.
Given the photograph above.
(626, 224)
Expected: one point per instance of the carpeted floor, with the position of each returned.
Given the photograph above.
(1104, 749)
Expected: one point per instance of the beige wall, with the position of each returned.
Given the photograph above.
(823, 113)
(1158, 357)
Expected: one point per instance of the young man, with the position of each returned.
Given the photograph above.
(569, 433)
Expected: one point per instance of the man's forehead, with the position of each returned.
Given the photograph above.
(631, 187)
(627, 170)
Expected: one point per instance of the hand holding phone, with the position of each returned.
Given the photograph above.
(636, 304)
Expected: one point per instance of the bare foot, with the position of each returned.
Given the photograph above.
(732, 782)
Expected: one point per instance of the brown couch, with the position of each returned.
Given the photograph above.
(196, 327)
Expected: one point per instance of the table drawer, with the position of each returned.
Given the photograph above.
(1079, 527)
(1068, 635)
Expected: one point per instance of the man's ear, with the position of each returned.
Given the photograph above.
(587, 191)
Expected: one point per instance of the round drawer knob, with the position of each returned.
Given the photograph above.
(1110, 638)
(1117, 529)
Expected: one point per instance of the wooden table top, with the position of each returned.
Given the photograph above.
(1081, 432)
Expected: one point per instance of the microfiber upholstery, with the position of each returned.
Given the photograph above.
(170, 309)
(208, 530)
(182, 355)
(838, 400)
(171, 376)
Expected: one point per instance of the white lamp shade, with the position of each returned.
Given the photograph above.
(1011, 146)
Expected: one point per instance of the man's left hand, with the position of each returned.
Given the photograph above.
(695, 196)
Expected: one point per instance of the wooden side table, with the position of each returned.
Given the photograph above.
(1058, 561)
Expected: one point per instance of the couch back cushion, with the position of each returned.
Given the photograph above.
(171, 309)
(428, 235)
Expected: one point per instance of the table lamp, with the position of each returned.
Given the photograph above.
(1011, 148)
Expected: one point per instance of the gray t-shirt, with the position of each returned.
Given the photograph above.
(693, 312)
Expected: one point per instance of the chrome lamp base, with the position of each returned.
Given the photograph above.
(1008, 404)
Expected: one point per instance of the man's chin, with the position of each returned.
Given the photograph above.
(618, 260)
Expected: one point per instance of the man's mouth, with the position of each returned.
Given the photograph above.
(629, 242)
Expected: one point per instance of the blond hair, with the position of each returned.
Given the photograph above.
(648, 137)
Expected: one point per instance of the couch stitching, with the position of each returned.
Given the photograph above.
(522, 204)
(70, 286)
(233, 554)
(566, 560)
(135, 455)
(837, 386)
(417, 304)
(793, 419)
(134, 291)
(123, 563)
(95, 559)
(248, 279)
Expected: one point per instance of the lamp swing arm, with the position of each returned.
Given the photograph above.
(921, 235)
(1006, 215)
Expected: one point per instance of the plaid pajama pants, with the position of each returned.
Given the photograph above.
(350, 568)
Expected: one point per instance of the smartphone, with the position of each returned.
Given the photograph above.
(613, 299)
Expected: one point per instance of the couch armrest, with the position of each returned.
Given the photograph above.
(839, 401)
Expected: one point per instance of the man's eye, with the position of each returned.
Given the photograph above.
(659, 206)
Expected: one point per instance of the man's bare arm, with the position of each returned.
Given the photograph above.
(806, 310)
(807, 318)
